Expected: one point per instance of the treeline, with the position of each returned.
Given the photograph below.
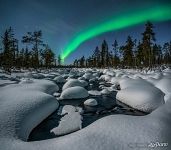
(143, 53)
(35, 53)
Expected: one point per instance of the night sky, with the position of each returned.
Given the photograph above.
(61, 20)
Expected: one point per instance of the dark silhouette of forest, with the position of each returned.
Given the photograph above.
(36, 54)
(133, 54)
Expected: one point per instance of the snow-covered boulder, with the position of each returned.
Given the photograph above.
(164, 85)
(94, 92)
(84, 83)
(26, 80)
(91, 102)
(105, 91)
(72, 121)
(24, 107)
(75, 92)
(59, 79)
(72, 83)
(28, 75)
(143, 98)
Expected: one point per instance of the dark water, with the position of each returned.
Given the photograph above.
(107, 105)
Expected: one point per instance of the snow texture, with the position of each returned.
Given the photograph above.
(91, 102)
(24, 106)
(72, 121)
(75, 92)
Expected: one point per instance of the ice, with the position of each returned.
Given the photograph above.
(75, 92)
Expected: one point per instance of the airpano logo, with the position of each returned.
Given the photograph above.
(148, 145)
(157, 144)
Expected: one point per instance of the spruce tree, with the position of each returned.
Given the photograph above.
(147, 44)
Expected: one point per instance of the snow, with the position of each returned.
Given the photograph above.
(105, 91)
(140, 94)
(164, 84)
(94, 92)
(26, 80)
(75, 92)
(6, 82)
(26, 105)
(59, 79)
(72, 121)
(84, 83)
(91, 102)
(143, 98)
(72, 83)
(88, 76)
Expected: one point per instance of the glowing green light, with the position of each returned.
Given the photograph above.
(155, 14)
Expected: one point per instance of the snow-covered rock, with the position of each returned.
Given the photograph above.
(91, 102)
(72, 83)
(59, 79)
(143, 98)
(105, 91)
(24, 107)
(88, 76)
(72, 121)
(75, 92)
(26, 80)
(94, 92)
(84, 83)
(56, 94)
(164, 85)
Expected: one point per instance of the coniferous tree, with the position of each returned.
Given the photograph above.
(34, 39)
(96, 57)
(147, 44)
(9, 47)
(166, 53)
(59, 60)
(48, 56)
(104, 54)
(115, 60)
(128, 52)
(82, 62)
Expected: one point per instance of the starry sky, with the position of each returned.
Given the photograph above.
(61, 20)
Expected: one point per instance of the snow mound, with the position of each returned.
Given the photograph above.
(72, 121)
(84, 83)
(59, 79)
(6, 82)
(72, 83)
(87, 76)
(105, 91)
(128, 82)
(24, 107)
(91, 102)
(143, 98)
(74, 93)
(26, 80)
(164, 85)
(94, 92)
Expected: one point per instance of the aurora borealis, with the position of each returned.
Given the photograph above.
(73, 28)
(156, 14)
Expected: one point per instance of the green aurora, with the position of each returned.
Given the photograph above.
(156, 14)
